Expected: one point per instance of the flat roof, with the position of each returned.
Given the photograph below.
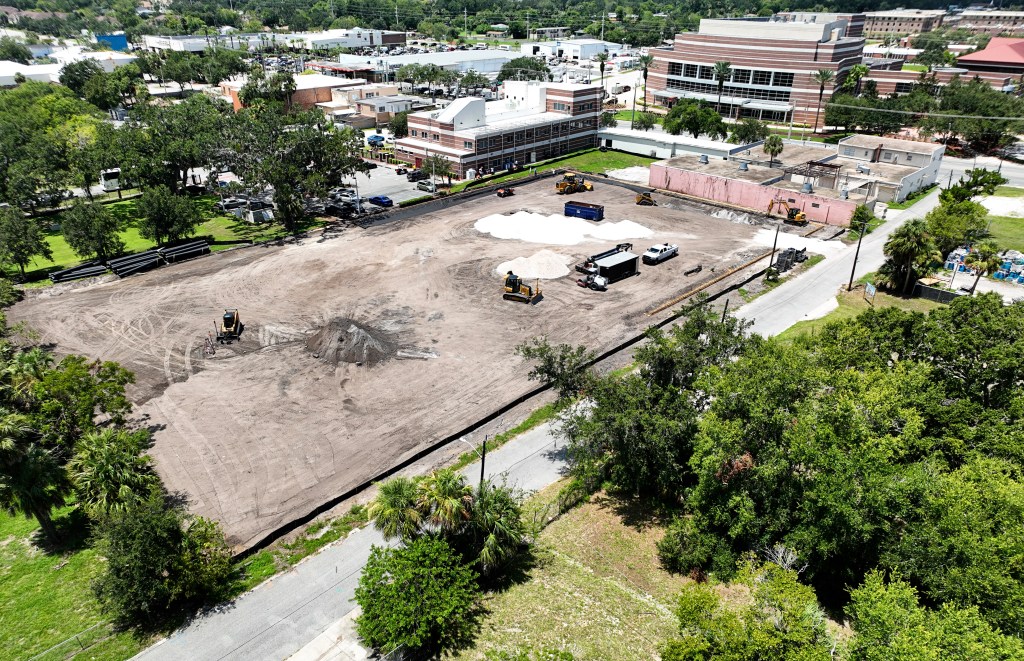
(616, 259)
(906, 13)
(668, 138)
(881, 171)
(872, 142)
(306, 81)
(446, 58)
(719, 167)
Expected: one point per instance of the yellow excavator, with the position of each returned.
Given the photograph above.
(517, 290)
(573, 183)
(230, 327)
(793, 216)
(645, 200)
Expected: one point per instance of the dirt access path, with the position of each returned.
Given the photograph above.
(264, 431)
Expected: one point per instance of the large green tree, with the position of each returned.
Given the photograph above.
(524, 68)
(91, 231)
(75, 75)
(696, 119)
(166, 216)
(109, 471)
(12, 51)
(21, 239)
(420, 599)
(159, 559)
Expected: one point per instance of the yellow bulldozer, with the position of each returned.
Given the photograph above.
(517, 290)
(573, 183)
(645, 200)
(230, 327)
(793, 216)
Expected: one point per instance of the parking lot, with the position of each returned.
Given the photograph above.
(364, 347)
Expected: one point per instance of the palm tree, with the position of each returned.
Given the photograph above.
(645, 62)
(773, 147)
(394, 511)
(907, 247)
(984, 259)
(723, 72)
(823, 77)
(110, 472)
(33, 485)
(602, 60)
(18, 372)
(853, 78)
(445, 500)
(15, 432)
(497, 526)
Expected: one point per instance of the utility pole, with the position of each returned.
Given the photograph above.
(396, 14)
(527, 23)
(725, 311)
(863, 231)
(602, 25)
(465, 21)
(771, 261)
(483, 462)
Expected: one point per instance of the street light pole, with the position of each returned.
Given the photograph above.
(863, 230)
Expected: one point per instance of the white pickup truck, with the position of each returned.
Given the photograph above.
(659, 253)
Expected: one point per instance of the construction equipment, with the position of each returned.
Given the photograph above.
(230, 327)
(573, 183)
(595, 282)
(611, 265)
(645, 200)
(584, 210)
(793, 216)
(517, 290)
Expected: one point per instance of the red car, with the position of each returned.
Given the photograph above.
(505, 192)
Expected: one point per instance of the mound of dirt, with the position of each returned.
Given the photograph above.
(345, 340)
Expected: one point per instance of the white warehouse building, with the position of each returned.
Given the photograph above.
(572, 49)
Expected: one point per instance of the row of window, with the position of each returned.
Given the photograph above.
(739, 76)
(514, 138)
(729, 90)
(558, 106)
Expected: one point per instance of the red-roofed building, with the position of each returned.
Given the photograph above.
(1002, 55)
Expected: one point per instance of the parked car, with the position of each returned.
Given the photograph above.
(659, 253)
(375, 140)
(505, 192)
(427, 186)
(416, 175)
(339, 209)
(370, 165)
(401, 170)
(229, 203)
(382, 201)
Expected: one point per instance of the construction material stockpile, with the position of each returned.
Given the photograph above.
(86, 270)
(184, 251)
(137, 263)
(345, 340)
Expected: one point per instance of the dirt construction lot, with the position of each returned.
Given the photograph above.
(265, 430)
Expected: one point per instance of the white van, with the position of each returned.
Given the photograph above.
(504, 47)
(480, 46)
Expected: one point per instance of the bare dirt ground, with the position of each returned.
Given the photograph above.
(264, 431)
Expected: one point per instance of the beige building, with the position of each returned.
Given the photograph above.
(991, 21)
(902, 21)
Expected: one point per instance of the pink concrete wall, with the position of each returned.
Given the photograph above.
(748, 195)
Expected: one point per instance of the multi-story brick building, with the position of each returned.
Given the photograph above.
(773, 64)
(902, 21)
(854, 21)
(534, 121)
(990, 21)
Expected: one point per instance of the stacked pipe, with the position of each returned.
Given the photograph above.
(184, 251)
(142, 261)
(86, 270)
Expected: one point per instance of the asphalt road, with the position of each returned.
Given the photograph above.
(810, 294)
(280, 616)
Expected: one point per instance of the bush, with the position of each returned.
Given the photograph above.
(685, 549)
(420, 599)
(158, 559)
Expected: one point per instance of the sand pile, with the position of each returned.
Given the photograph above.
(344, 340)
(637, 174)
(545, 264)
(556, 229)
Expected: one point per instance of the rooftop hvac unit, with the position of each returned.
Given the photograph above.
(703, 159)
(808, 188)
(864, 169)
(743, 167)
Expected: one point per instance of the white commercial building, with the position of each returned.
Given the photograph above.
(572, 49)
(481, 61)
(351, 38)
(108, 59)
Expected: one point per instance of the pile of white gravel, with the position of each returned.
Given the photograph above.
(637, 174)
(558, 230)
(546, 265)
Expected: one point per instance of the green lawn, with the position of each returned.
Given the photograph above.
(223, 231)
(627, 116)
(914, 67)
(852, 304)
(1009, 191)
(1007, 231)
(912, 199)
(47, 598)
(593, 161)
(873, 224)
